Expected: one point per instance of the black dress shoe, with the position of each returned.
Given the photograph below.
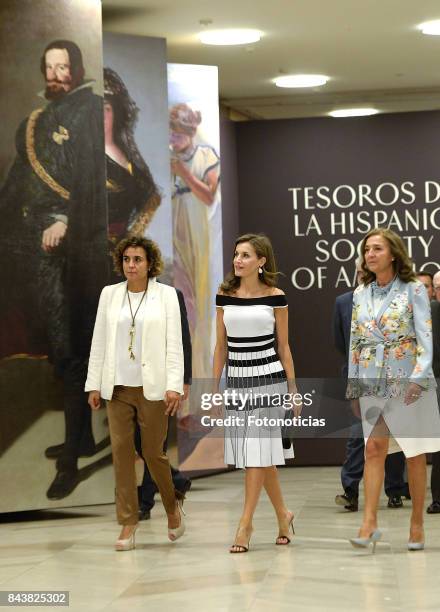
(63, 484)
(181, 493)
(395, 501)
(186, 487)
(55, 452)
(433, 508)
(144, 515)
(350, 503)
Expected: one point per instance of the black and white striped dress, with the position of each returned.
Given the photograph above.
(253, 367)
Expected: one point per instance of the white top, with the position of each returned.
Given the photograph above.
(250, 326)
(162, 351)
(129, 371)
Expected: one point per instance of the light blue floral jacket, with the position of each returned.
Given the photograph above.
(395, 347)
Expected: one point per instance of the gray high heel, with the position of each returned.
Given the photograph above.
(416, 545)
(374, 538)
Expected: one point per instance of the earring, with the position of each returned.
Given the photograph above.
(260, 270)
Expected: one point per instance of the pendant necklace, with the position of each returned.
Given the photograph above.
(133, 326)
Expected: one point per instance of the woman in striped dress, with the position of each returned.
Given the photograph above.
(251, 316)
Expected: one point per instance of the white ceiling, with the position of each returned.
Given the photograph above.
(370, 49)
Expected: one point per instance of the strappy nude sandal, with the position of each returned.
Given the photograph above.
(286, 539)
(240, 548)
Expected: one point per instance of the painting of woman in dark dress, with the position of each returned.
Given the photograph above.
(133, 197)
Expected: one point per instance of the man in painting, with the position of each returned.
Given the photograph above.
(54, 233)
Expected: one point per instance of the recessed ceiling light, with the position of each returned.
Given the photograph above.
(229, 37)
(301, 80)
(430, 27)
(354, 112)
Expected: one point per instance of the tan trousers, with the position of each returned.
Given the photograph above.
(127, 405)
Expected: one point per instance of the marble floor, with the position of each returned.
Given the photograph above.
(72, 550)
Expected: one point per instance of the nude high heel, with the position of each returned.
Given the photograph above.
(284, 537)
(177, 532)
(241, 548)
(127, 543)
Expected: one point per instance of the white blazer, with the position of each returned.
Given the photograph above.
(162, 351)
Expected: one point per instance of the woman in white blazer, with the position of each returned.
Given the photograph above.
(136, 364)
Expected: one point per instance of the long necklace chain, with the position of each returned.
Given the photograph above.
(133, 324)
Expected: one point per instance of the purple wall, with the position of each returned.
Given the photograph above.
(229, 185)
(273, 156)
(372, 171)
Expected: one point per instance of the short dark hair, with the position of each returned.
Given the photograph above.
(425, 273)
(151, 249)
(75, 57)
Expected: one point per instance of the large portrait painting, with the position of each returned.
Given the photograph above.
(54, 238)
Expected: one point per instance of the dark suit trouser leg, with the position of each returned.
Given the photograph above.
(394, 474)
(353, 466)
(435, 477)
(179, 480)
(435, 470)
(78, 415)
(87, 441)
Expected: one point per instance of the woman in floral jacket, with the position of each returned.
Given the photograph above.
(391, 382)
